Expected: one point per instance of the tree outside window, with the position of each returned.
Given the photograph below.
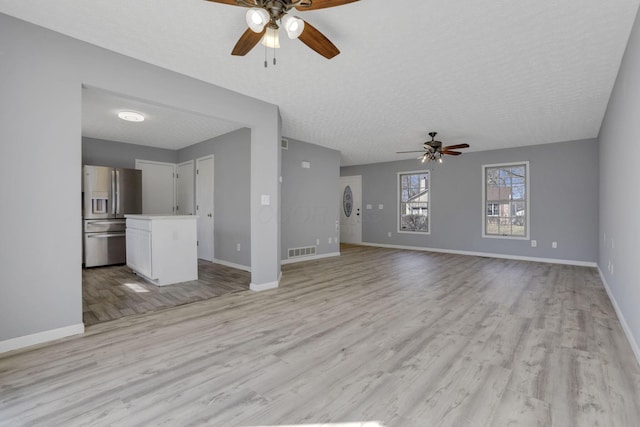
(413, 199)
(506, 200)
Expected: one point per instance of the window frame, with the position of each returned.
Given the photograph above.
(527, 200)
(399, 202)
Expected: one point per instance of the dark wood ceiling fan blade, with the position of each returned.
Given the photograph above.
(415, 151)
(317, 41)
(231, 2)
(323, 4)
(455, 147)
(453, 153)
(247, 41)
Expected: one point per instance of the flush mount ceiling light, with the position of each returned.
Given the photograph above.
(433, 150)
(131, 116)
(265, 17)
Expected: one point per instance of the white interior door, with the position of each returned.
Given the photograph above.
(204, 207)
(184, 188)
(351, 209)
(158, 187)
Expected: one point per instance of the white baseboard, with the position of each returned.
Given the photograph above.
(309, 258)
(265, 286)
(232, 265)
(40, 337)
(623, 322)
(486, 254)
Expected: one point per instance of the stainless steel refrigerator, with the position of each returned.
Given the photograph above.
(108, 194)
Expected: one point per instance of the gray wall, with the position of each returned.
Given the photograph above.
(232, 218)
(619, 178)
(41, 81)
(310, 197)
(564, 200)
(101, 152)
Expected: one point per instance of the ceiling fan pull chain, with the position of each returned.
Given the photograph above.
(274, 56)
(265, 57)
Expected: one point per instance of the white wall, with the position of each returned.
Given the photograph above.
(619, 235)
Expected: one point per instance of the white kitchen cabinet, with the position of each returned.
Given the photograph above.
(163, 248)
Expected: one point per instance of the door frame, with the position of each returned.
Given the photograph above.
(359, 179)
(212, 184)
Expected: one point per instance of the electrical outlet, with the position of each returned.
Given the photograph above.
(534, 243)
(380, 206)
(329, 240)
(238, 247)
(389, 234)
(317, 242)
(369, 207)
(554, 245)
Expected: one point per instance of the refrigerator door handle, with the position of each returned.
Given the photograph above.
(117, 191)
(105, 222)
(113, 192)
(106, 235)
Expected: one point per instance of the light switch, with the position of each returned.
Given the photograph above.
(266, 200)
(380, 206)
(306, 165)
(369, 207)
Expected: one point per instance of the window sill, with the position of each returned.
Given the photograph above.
(424, 233)
(494, 236)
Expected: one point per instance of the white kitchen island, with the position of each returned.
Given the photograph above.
(163, 249)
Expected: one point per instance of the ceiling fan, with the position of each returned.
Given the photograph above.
(265, 17)
(433, 150)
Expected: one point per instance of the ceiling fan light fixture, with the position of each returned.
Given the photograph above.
(271, 38)
(257, 18)
(293, 25)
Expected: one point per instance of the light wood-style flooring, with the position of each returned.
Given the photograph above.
(113, 292)
(398, 337)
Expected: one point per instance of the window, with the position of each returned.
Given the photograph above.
(506, 200)
(493, 209)
(413, 202)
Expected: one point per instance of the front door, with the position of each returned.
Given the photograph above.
(351, 209)
(204, 207)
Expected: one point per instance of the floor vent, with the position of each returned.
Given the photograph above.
(284, 144)
(300, 252)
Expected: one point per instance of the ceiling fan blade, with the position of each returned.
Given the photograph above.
(455, 147)
(415, 151)
(232, 3)
(247, 41)
(453, 153)
(323, 4)
(317, 41)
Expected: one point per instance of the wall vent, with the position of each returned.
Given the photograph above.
(300, 252)
(284, 144)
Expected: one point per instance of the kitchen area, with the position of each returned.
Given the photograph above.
(138, 255)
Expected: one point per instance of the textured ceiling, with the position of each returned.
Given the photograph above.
(493, 74)
(163, 127)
